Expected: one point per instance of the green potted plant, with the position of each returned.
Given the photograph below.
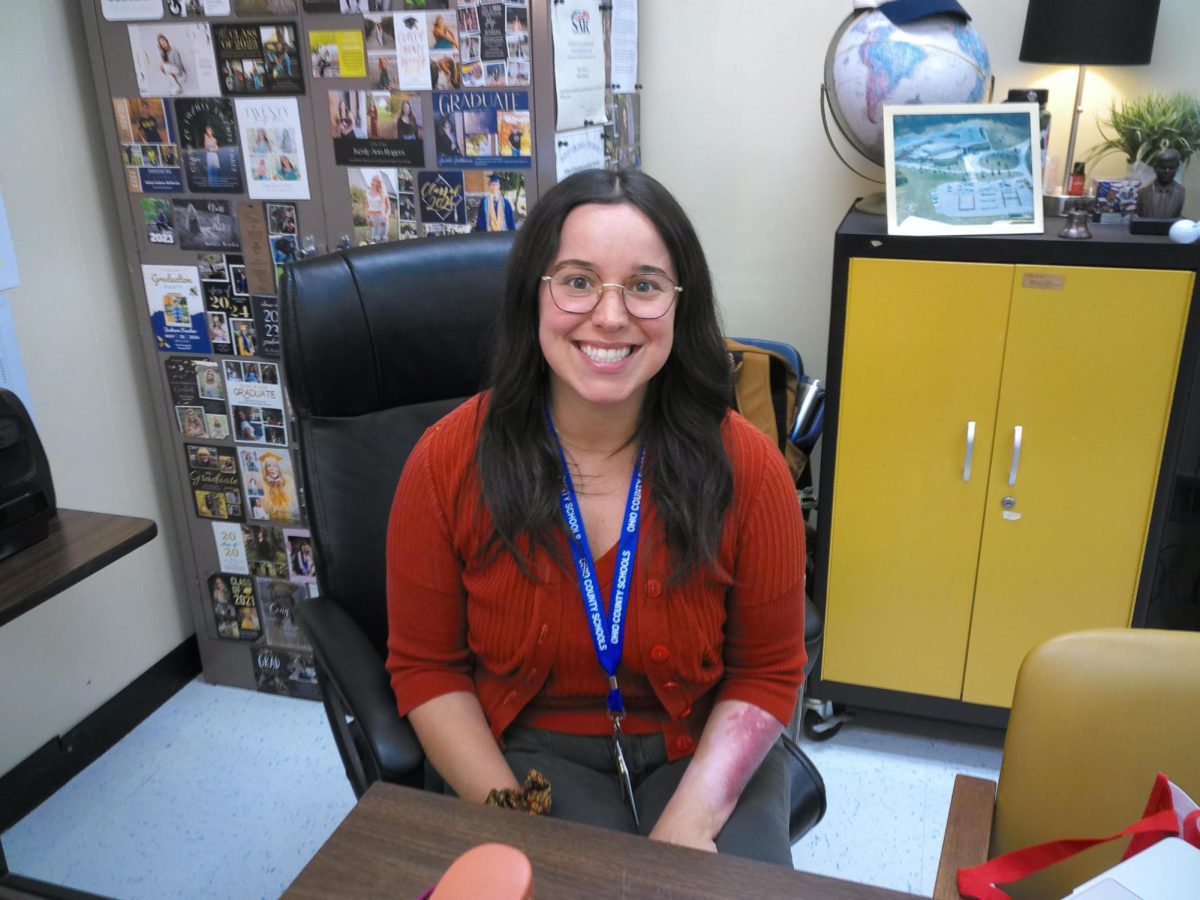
(1140, 129)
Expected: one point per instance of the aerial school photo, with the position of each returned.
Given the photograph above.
(962, 172)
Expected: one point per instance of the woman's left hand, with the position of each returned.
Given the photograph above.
(683, 835)
(736, 739)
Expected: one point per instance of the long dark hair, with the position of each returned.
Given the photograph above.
(686, 468)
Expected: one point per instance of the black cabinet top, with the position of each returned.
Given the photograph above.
(861, 234)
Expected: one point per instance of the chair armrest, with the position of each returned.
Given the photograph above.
(358, 674)
(968, 832)
(807, 800)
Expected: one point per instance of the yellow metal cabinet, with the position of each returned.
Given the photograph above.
(998, 441)
(923, 353)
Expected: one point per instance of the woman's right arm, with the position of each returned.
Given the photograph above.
(455, 736)
(428, 657)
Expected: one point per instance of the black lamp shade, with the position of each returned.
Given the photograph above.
(1090, 32)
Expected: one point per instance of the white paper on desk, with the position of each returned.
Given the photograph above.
(12, 374)
(1162, 871)
(624, 45)
(9, 276)
(575, 151)
(578, 64)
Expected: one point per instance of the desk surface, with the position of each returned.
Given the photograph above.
(79, 544)
(397, 842)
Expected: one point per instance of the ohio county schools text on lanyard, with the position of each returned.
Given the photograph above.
(607, 631)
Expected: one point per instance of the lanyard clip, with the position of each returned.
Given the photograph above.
(624, 778)
(616, 712)
(616, 706)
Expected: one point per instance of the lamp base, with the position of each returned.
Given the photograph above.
(1058, 205)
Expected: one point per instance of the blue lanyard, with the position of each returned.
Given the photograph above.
(607, 631)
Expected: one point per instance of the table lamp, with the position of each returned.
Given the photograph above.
(1088, 32)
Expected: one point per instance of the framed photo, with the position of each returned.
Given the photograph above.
(971, 168)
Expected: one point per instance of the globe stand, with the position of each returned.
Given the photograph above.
(874, 204)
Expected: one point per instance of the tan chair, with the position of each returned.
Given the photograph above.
(1095, 715)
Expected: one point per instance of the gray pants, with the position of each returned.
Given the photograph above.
(585, 788)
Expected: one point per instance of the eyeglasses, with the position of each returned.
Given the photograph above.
(645, 295)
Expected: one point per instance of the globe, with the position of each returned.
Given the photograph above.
(872, 63)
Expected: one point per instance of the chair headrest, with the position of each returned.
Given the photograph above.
(394, 324)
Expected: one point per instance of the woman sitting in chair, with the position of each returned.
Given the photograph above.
(596, 569)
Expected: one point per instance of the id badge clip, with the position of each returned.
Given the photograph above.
(619, 759)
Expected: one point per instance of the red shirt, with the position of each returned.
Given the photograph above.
(457, 623)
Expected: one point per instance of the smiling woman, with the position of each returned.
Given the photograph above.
(595, 569)
(611, 226)
(601, 356)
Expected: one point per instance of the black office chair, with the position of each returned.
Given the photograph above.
(379, 343)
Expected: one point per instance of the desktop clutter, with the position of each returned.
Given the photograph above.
(497, 871)
(1153, 207)
(956, 163)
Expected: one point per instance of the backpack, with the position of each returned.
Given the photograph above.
(767, 379)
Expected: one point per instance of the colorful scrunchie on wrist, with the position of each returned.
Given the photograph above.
(532, 797)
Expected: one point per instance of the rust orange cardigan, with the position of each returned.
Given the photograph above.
(523, 646)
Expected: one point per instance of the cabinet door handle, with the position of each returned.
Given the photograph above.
(1016, 460)
(970, 451)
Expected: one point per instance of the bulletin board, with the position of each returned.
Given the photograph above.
(242, 135)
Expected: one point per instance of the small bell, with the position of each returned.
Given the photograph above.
(1077, 225)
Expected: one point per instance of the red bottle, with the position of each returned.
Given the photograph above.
(1075, 189)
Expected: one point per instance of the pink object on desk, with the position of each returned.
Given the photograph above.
(496, 871)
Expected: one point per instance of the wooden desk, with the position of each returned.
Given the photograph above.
(79, 544)
(398, 841)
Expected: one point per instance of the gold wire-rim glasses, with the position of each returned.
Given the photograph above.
(599, 289)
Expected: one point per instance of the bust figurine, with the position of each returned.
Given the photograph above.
(1163, 197)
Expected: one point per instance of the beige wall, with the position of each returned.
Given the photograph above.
(731, 125)
(76, 324)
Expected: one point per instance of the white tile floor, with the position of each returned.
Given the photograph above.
(888, 780)
(220, 793)
(224, 793)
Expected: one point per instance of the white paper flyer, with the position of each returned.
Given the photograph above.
(624, 47)
(412, 52)
(10, 277)
(174, 60)
(575, 151)
(578, 64)
(255, 403)
(12, 373)
(272, 148)
(176, 308)
(131, 10)
(231, 548)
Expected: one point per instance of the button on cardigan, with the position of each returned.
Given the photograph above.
(463, 622)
